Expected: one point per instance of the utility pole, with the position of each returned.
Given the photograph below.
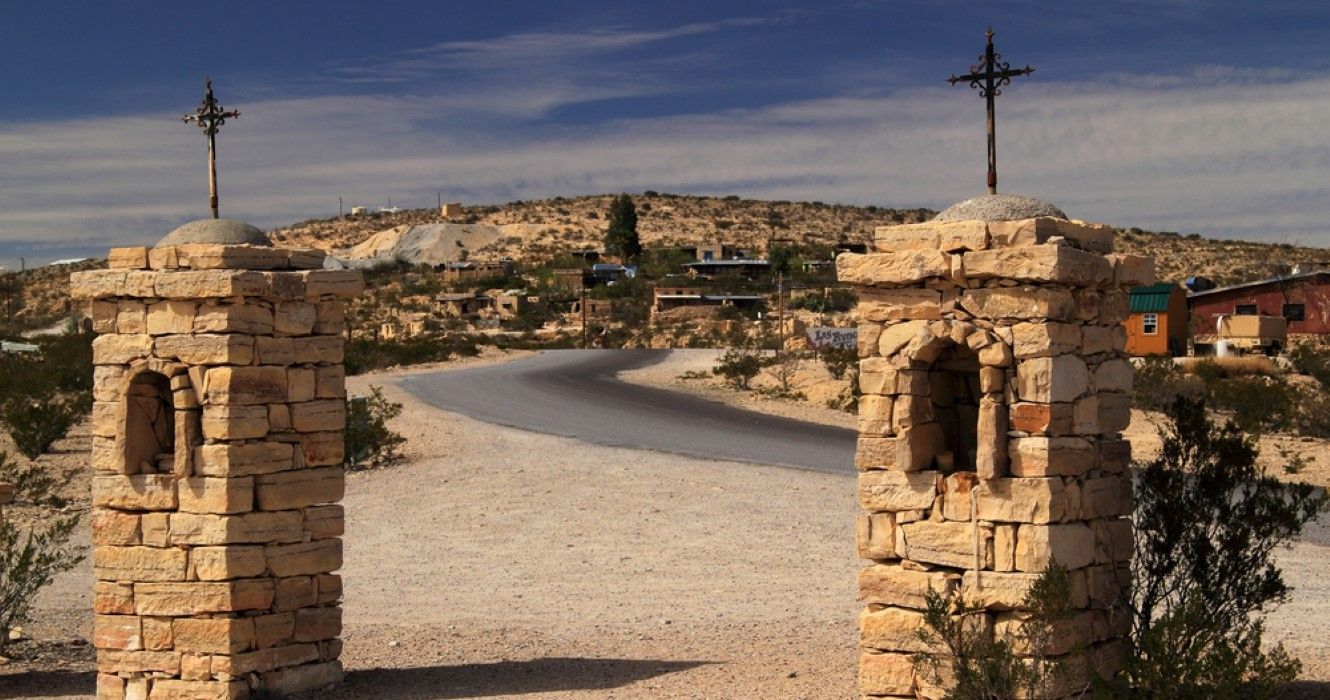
(339, 208)
(780, 313)
(584, 340)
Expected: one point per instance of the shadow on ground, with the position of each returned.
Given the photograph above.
(505, 678)
(48, 684)
(1305, 690)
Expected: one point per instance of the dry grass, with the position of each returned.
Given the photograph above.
(1233, 366)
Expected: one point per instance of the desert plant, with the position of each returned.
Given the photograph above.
(1159, 381)
(839, 360)
(1312, 359)
(36, 421)
(35, 484)
(621, 238)
(738, 366)
(784, 368)
(369, 441)
(1208, 519)
(28, 562)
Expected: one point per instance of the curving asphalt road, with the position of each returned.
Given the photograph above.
(574, 393)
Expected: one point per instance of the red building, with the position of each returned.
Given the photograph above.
(1303, 299)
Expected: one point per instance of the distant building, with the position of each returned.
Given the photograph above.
(608, 273)
(741, 267)
(708, 252)
(359, 211)
(463, 304)
(595, 308)
(1158, 321)
(1303, 299)
(666, 298)
(467, 270)
(572, 279)
(450, 209)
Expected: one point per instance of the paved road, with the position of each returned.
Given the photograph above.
(574, 393)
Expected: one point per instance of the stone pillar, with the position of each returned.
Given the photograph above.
(217, 457)
(995, 390)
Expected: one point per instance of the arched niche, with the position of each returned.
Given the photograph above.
(150, 425)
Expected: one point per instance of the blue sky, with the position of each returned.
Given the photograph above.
(1185, 115)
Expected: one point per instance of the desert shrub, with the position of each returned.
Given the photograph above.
(36, 484)
(738, 366)
(785, 367)
(1255, 404)
(29, 559)
(839, 360)
(1207, 522)
(368, 439)
(364, 354)
(36, 421)
(1312, 359)
(976, 664)
(1159, 381)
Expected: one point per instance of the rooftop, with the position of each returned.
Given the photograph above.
(999, 207)
(218, 231)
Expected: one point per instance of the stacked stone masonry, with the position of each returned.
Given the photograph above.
(995, 391)
(217, 456)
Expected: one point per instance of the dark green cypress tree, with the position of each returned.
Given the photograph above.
(621, 239)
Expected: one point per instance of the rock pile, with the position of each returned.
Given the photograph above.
(217, 457)
(995, 390)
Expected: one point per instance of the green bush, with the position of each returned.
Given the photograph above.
(29, 560)
(1312, 359)
(35, 422)
(839, 360)
(365, 354)
(369, 441)
(1159, 381)
(738, 366)
(1255, 404)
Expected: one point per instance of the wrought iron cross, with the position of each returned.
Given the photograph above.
(210, 117)
(988, 78)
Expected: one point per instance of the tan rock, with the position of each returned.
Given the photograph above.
(322, 449)
(171, 317)
(138, 564)
(875, 415)
(120, 349)
(135, 258)
(318, 416)
(295, 592)
(111, 660)
(338, 283)
(157, 634)
(875, 535)
(906, 304)
(1106, 497)
(991, 459)
(112, 598)
(214, 635)
(112, 527)
(245, 385)
(245, 528)
(886, 674)
(909, 410)
(274, 351)
(884, 584)
(96, 284)
(103, 314)
(235, 422)
(1051, 456)
(323, 522)
(317, 624)
(208, 256)
(1070, 544)
(1101, 339)
(134, 491)
(918, 446)
(131, 317)
(215, 495)
(174, 689)
(1031, 303)
(1052, 379)
(892, 490)
(1026, 232)
(305, 558)
(891, 629)
(948, 543)
(156, 529)
(279, 418)
(330, 382)
(330, 317)
(1037, 500)
(209, 284)
(295, 318)
(306, 677)
(249, 318)
(271, 630)
(1004, 547)
(867, 336)
(892, 269)
(876, 376)
(1045, 339)
(229, 562)
(123, 632)
(1042, 418)
(207, 349)
(106, 381)
(318, 349)
(329, 587)
(233, 460)
(1133, 270)
(202, 597)
(1113, 540)
(1114, 376)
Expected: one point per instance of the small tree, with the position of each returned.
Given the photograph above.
(738, 366)
(369, 440)
(621, 239)
(30, 559)
(1208, 519)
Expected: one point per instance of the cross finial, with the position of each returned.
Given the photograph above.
(988, 77)
(210, 116)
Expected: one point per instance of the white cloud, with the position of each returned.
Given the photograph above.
(1186, 155)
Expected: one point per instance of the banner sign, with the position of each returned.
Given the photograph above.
(825, 337)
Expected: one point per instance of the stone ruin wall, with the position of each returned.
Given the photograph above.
(995, 390)
(217, 456)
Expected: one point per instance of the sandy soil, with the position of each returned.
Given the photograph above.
(502, 563)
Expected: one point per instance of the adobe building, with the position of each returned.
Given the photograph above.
(217, 458)
(995, 392)
(1157, 324)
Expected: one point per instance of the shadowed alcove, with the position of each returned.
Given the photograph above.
(149, 434)
(953, 381)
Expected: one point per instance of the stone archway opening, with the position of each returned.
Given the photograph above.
(954, 391)
(150, 425)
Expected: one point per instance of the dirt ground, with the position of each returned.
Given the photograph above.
(501, 563)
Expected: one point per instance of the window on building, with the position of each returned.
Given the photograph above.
(1295, 312)
(1150, 324)
(1245, 309)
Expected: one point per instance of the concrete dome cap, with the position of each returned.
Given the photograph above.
(999, 207)
(216, 231)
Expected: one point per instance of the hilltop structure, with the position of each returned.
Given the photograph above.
(995, 392)
(217, 456)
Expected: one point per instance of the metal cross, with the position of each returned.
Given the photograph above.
(210, 117)
(988, 78)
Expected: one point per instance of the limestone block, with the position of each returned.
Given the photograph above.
(1101, 339)
(1051, 303)
(207, 349)
(201, 494)
(120, 349)
(1004, 547)
(883, 584)
(324, 449)
(1133, 270)
(163, 258)
(1070, 544)
(279, 417)
(875, 534)
(325, 521)
(330, 382)
(1113, 540)
(244, 528)
(337, 283)
(1042, 418)
(1114, 455)
(317, 624)
(96, 284)
(886, 674)
(210, 256)
(103, 314)
(177, 689)
(891, 629)
(906, 304)
(108, 418)
(134, 491)
(948, 543)
(1017, 500)
(917, 446)
(218, 317)
(909, 410)
(222, 635)
(1053, 263)
(295, 592)
(245, 385)
(892, 490)
(285, 286)
(1106, 497)
(135, 258)
(914, 382)
(171, 317)
(209, 284)
(866, 337)
(235, 422)
(131, 317)
(232, 665)
(156, 529)
(954, 499)
(875, 415)
(157, 634)
(113, 527)
(294, 318)
(872, 453)
(195, 667)
(138, 564)
(112, 660)
(229, 562)
(318, 416)
(330, 317)
(271, 630)
(296, 679)
(112, 598)
(1115, 307)
(991, 460)
(1051, 379)
(1045, 339)
(1063, 636)
(106, 381)
(1114, 412)
(232, 460)
(892, 269)
(995, 355)
(123, 632)
(1113, 375)
(304, 258)
(329, 587)
(1085, 415)
(876, 376)
(992, 380)
(1036, 231)
(1051, 456)
(318, 348)
(274, 351)
(300, 488)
